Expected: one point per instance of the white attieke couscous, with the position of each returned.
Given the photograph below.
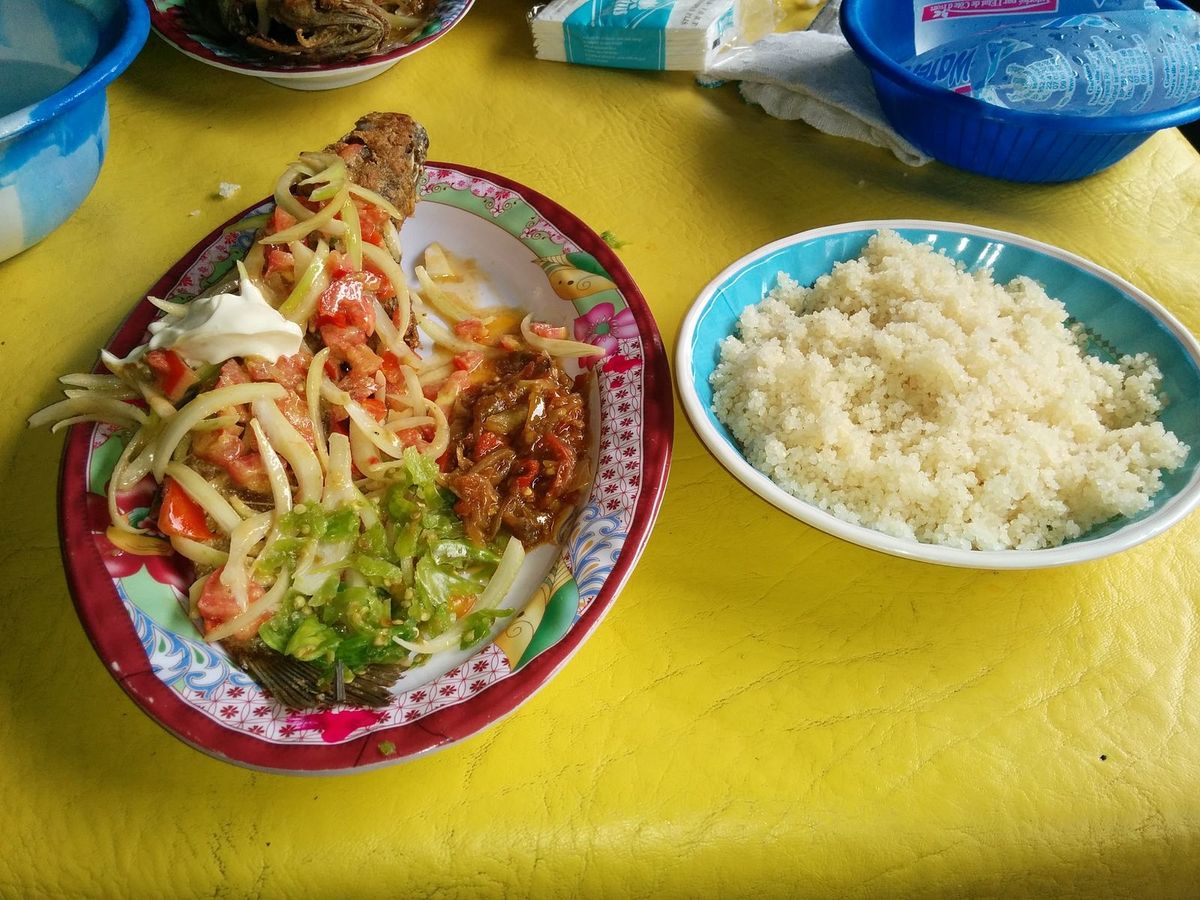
(907, 395)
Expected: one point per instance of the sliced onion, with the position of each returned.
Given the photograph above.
(292, 446)
(384, 440)
(389, 336)
(215, 423)
(300, 303)
(236, 574)
(443, 336)
(202, 407)
(200, 554)
(376, 200)
(103, 408)
(306, 226)
(201, 490)
(504, 577)
(453, 308)
(302, 255)
(416, 392)
(281, 489)
(391, 237)
(382, 260)
(404, 422)
(94, 382)
(436, 376)
(283, 194)
(353, 236)
(267, 603)
(312, 392)
(366, 455)
(117, 482)
(441, 437)
(339, 484)
(557, 346)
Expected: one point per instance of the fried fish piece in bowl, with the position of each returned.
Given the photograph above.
(306, 45)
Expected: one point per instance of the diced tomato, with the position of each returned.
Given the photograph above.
(290, 371)
(390, 365)
(232, 372)
(337, 264)
(344, 304)
(278, 261)
(363, 361)
(340, 424)
(173, 375)
(374, 407)
(546, 330)
(471, 330)
(445, 462)
(248, 471)
(295, 410)
(224, 448)
(372, 220)
(385, 290)
(181, 516)
(217, 605)
(468, 360)
(487, 442)
(461, 604)
(339, 340)
(510, 343)
(281, 219)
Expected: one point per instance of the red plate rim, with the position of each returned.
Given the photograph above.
(170, 30)
(112, 633)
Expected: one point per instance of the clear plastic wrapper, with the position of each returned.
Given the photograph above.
(937, 22)
(1122, 63)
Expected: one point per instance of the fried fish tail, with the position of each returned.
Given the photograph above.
(300, 685)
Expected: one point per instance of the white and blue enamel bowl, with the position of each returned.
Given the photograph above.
(1117, 316)
(56, 59)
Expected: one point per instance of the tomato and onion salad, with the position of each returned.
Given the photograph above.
(347, 505)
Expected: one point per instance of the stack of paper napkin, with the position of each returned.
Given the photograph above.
(634, 34)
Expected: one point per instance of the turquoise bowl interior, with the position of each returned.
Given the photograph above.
(56, 59)
(1113, 314)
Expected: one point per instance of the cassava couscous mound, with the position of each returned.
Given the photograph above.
(906, 395)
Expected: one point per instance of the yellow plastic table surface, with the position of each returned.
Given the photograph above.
(766, 711)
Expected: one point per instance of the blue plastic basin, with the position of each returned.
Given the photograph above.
(56, 59)
(970, 134)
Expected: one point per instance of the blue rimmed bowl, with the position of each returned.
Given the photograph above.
(1116, 315)
(56, 59)
(968, 133)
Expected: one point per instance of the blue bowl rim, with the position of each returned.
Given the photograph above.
(1171, 513)
(854, 28)
(95, 77)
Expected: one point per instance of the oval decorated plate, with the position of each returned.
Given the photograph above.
(130, 594)
(172, 22)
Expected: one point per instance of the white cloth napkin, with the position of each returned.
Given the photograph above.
(816, 77)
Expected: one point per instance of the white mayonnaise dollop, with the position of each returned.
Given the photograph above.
(214, 329)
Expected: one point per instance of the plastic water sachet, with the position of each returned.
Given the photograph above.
(1116, 64)
(937, 22)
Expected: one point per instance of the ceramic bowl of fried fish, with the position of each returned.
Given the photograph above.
(306, 45)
